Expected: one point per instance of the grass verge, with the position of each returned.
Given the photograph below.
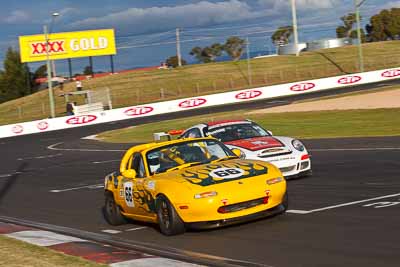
(304, 125)
(135, 88)
(15, 253)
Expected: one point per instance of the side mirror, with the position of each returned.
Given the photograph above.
(237, 152)
(129, 173)
(269, 132)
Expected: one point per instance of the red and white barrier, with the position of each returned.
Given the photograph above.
(266, 92)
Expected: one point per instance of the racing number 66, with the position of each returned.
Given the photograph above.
(128, 194)
(226, 172)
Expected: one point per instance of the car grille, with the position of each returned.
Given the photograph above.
(287, 169)
(275, 155)
(243, 205)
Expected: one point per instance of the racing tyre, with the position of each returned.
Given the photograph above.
(168, 219)
(285, 202)
(112, 212)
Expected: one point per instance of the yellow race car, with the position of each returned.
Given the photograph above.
(192, 183)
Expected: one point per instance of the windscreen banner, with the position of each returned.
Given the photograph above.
(67, 45)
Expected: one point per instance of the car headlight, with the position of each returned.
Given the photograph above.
(205, 195)
(242, 154)
(298, 145)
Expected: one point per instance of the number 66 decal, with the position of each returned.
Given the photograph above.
(227, 173)
(128, 194)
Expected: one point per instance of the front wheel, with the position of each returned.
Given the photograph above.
(168, 219)
(285, 202)
(112, 212)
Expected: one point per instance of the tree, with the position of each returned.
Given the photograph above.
(234, 47)
(345, 31)
(40, 72)
(173, 61)
(384, 26)
(88, 70)
(208, 53)
(281, 35)
(15, 80)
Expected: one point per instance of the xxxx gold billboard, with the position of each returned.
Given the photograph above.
(67, 45)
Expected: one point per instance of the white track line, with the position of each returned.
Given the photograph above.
(340, 205)
(42, 157)
(53, 147)
(111, 231)
(9, 175)
(94, 186)
(135, 229)
(106, 161)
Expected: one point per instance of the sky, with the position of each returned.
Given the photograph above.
(145, 29)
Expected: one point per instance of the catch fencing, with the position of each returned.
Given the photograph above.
(184, 104)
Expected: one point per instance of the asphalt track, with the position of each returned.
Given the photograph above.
(346, 214)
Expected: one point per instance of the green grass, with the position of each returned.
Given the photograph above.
(15, 253)
(321, 124)
(143, 87)
(363, 92)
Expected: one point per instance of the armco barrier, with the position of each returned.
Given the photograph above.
(46, 125)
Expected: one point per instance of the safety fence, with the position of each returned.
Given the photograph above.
(183, 104)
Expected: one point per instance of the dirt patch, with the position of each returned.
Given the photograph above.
(384, 99)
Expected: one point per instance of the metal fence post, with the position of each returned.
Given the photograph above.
(232, 84)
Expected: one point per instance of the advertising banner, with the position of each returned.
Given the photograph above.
(67, 45)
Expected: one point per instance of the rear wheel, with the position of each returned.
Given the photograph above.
(168, 219)
(112, 212)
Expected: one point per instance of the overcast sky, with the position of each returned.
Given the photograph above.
(145, 28)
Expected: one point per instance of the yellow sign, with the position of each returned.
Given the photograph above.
(67, 45)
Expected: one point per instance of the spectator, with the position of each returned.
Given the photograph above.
(78, 86)
(70, 109)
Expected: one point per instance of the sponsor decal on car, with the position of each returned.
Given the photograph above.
(256, 143)
(17, 129)
(191, 103)
(43, 125)
(302, 87)
(227, 173)
(137, 111)
(349, 79)
(81, 119)
(128, 190)
(248, 94)
(223, 172)
(151, 185)
(391, 73)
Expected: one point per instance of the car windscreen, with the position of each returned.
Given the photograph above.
(186, 153)
(233, 132)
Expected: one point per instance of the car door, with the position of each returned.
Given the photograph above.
(137, 189)
(130, 184)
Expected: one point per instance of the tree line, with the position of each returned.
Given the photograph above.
(383, 26)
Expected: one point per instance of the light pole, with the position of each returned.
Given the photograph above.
(357, 5)
(48, 67)
(294, 19)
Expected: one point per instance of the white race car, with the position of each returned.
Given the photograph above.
(288, 154)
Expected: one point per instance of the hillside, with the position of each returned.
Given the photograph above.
(140, 87)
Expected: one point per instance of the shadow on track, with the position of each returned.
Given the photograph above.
(10, 181)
